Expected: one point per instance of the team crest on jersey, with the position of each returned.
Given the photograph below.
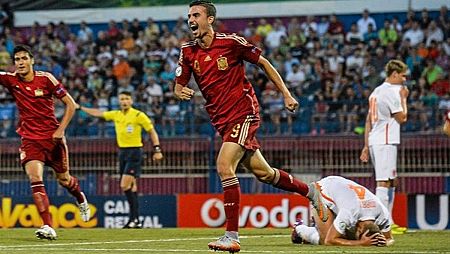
(222, 63)
(197, 66)
(38, 92)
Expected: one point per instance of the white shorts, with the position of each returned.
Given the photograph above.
(384, 160)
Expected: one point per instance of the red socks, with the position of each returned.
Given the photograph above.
(289, 183)
(74, 188)
(41, 201)
(232, 196)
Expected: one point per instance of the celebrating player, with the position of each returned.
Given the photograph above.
(129, 123)
(43, 141)
(352, 208)
(217, 62)
(387, 110)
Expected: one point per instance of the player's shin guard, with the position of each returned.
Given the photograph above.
(41, 201)
(74, 188)
(285, 181)
(231, 200)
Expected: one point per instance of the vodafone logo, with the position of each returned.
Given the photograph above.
(280, 216)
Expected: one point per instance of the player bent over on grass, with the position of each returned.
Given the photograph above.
(42, 136)
(356, 217)
(216, 61)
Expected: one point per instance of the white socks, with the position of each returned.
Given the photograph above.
(309, 234)
(382, 194)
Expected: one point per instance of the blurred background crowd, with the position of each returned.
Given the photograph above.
(330, 67)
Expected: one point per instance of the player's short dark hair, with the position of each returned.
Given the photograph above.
(210, 8)
(125, 93)
(20, 48)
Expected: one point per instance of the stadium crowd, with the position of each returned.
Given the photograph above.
(331, 70)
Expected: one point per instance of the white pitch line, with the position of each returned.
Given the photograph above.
(132, 241)
(294, 250)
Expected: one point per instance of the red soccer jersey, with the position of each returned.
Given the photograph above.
(35, 103)
(220, 74)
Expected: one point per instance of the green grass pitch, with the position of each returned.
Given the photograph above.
(178, 240)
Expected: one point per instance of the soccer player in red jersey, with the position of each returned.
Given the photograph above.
(217, 62)
(42, 136)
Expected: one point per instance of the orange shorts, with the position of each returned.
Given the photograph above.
(51, 153)
(242, 133)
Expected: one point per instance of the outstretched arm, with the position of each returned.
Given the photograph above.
(91, 111)
(289, 102)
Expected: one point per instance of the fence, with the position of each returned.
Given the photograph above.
(189, 164)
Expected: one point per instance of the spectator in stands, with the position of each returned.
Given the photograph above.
(135, 28)
(387, 108)
(308, 26)
(129, 123)
(431, 71)
(336, 29)
(295, 78)
(443, 21)
(425, 19)
(396, 26)
(415, 35)
(322, 26)
(152, 30)
(387, 34)
(364, 21)
(85, 34)
(433, 33)
(263, 27)
(371, 34)
(320, 111)
(273, 38)
(354, 36)
(121, 68)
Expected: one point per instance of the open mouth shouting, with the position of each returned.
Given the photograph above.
(194, 29)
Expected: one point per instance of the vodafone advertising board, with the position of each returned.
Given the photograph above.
(257, 210)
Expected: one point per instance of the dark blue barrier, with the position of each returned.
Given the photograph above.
(429, 211)
(109, 212)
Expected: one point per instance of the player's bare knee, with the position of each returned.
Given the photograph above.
(224, 170)
(265, 177)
